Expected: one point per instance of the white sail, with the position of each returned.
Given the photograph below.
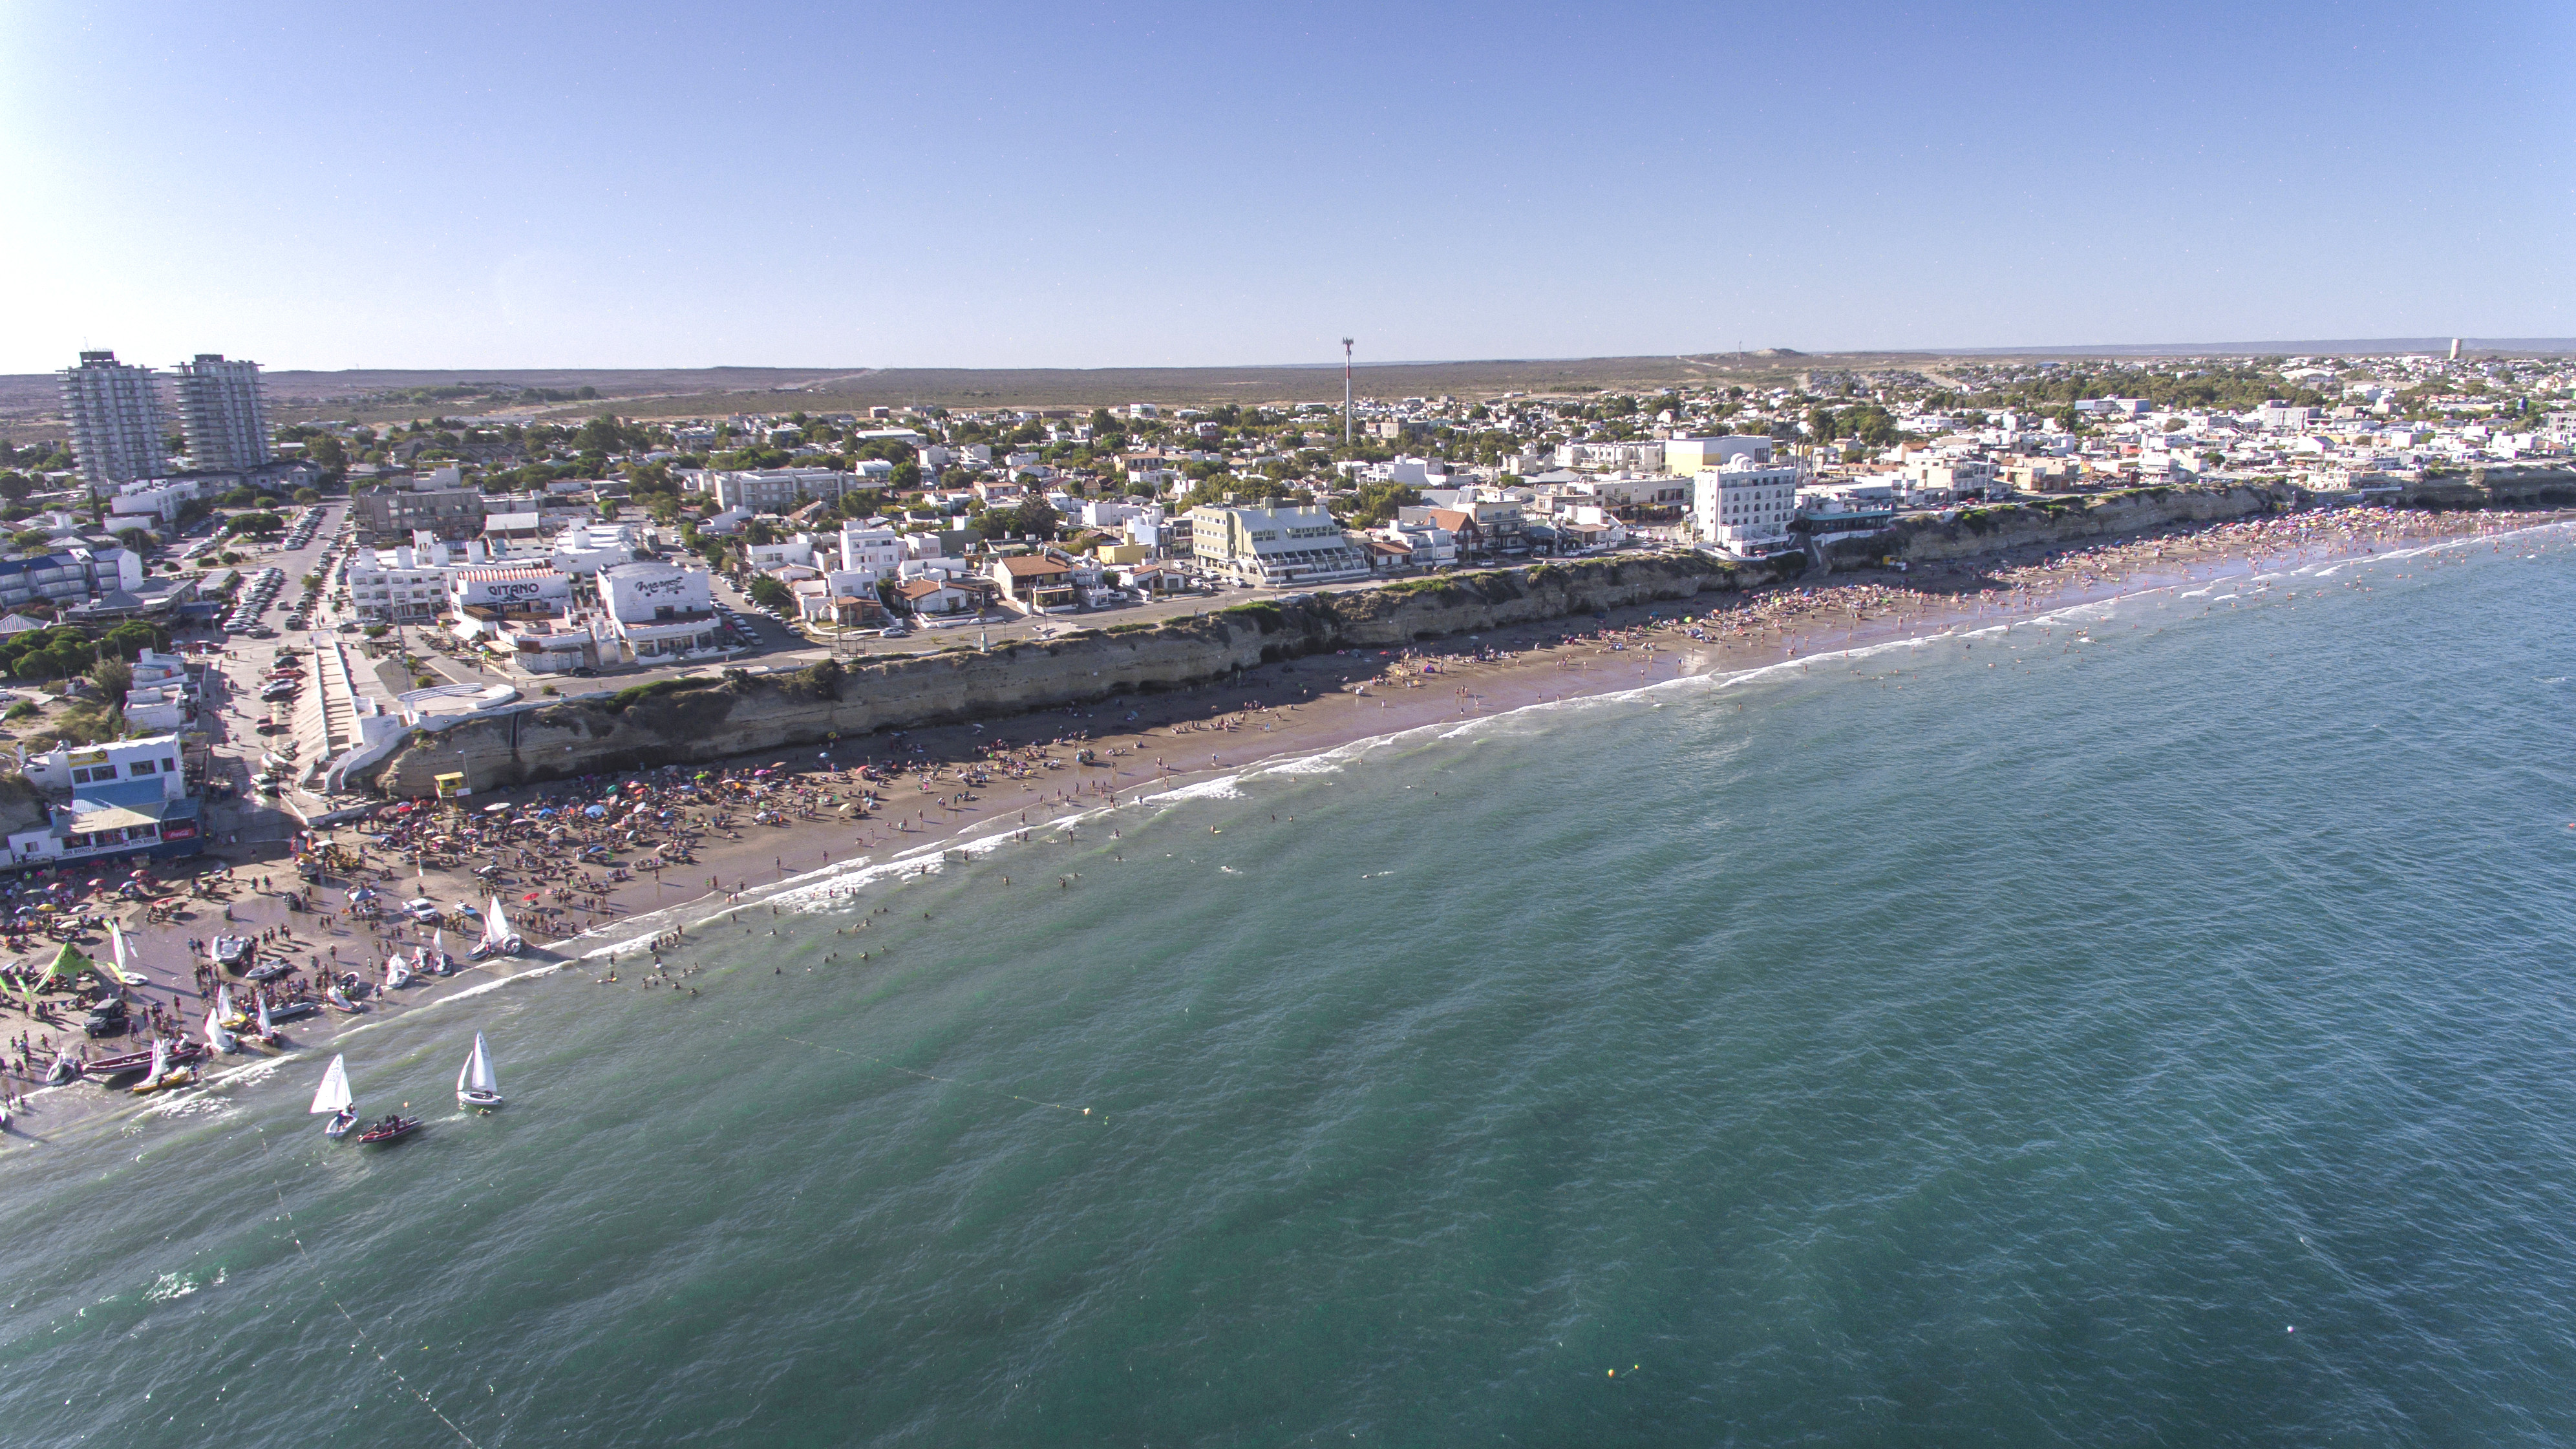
(160, 1059)
(438, 946)
(223, 1003)
(267, 1028)
(396, 973)
(333, 1095)
(116, 943)
(477, 1074)
(496, 927)
(216, 1037)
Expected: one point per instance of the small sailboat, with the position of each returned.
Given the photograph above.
(65, 1067)
(163, 1074)
(397, 972)
(216, 1037)
(498, 938)
(116, 940)
(268, 1032)
(232, 1017)
(477, 1085)
(333, 1097)
(434, 958)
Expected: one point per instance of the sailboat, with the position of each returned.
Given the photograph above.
(116, 940)
(267, 1028)
(397, 972)
(65, 1068)
(498, 938)
(216, 1037)
(162, 1074)
(477, 1085)
(333, 1097)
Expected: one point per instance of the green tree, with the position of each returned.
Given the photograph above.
(769, 593)
(131, 638)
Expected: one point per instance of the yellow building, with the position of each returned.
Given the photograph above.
(1122, 554)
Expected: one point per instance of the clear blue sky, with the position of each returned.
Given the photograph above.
(647, 184)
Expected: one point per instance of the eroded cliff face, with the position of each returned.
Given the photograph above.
(1977, 532)
(697, 720)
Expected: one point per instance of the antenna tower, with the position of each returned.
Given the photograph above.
(1346, 392)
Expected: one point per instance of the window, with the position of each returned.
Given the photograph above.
(143, 767)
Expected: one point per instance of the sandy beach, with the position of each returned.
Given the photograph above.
(684, 844)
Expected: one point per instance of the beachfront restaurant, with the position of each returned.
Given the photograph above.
(95, 826)
(124, 797)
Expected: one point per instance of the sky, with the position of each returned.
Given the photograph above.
(646, 184)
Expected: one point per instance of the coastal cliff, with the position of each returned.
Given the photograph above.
(688, 720)
(2057, 522)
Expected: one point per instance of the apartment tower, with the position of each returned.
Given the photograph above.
(117, 421)
(221, 413)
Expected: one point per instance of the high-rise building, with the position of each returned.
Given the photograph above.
(118, 426)
(221, 413)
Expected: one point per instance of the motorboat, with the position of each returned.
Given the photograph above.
(270, 969)
(334, 1097)
(339, 1000)
(103, 1070)
(231, 952)
(290, 1010)
(392, 1128)
(477, 1085)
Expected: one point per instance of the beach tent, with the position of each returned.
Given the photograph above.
(69, 963)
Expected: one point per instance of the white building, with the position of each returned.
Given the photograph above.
(1689, 457)
(873, 550)
(505, 588)
(408, 584)
(155, 498)
(659, 610)
(1641, 457)
(1274, 547)
(126, 798)
(1745, 508)
(770, 490)
(116, 417)
(585, 548)
(221, 412)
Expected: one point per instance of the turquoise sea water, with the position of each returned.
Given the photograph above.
(2009, 1040)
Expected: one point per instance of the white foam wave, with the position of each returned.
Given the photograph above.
(1223, 787)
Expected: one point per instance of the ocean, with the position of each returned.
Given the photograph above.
(2151, 1023)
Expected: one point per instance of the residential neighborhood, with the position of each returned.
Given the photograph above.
(454, 563)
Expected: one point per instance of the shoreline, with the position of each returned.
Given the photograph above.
(1146, 747)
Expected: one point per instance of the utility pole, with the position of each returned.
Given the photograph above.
(1346, 392)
